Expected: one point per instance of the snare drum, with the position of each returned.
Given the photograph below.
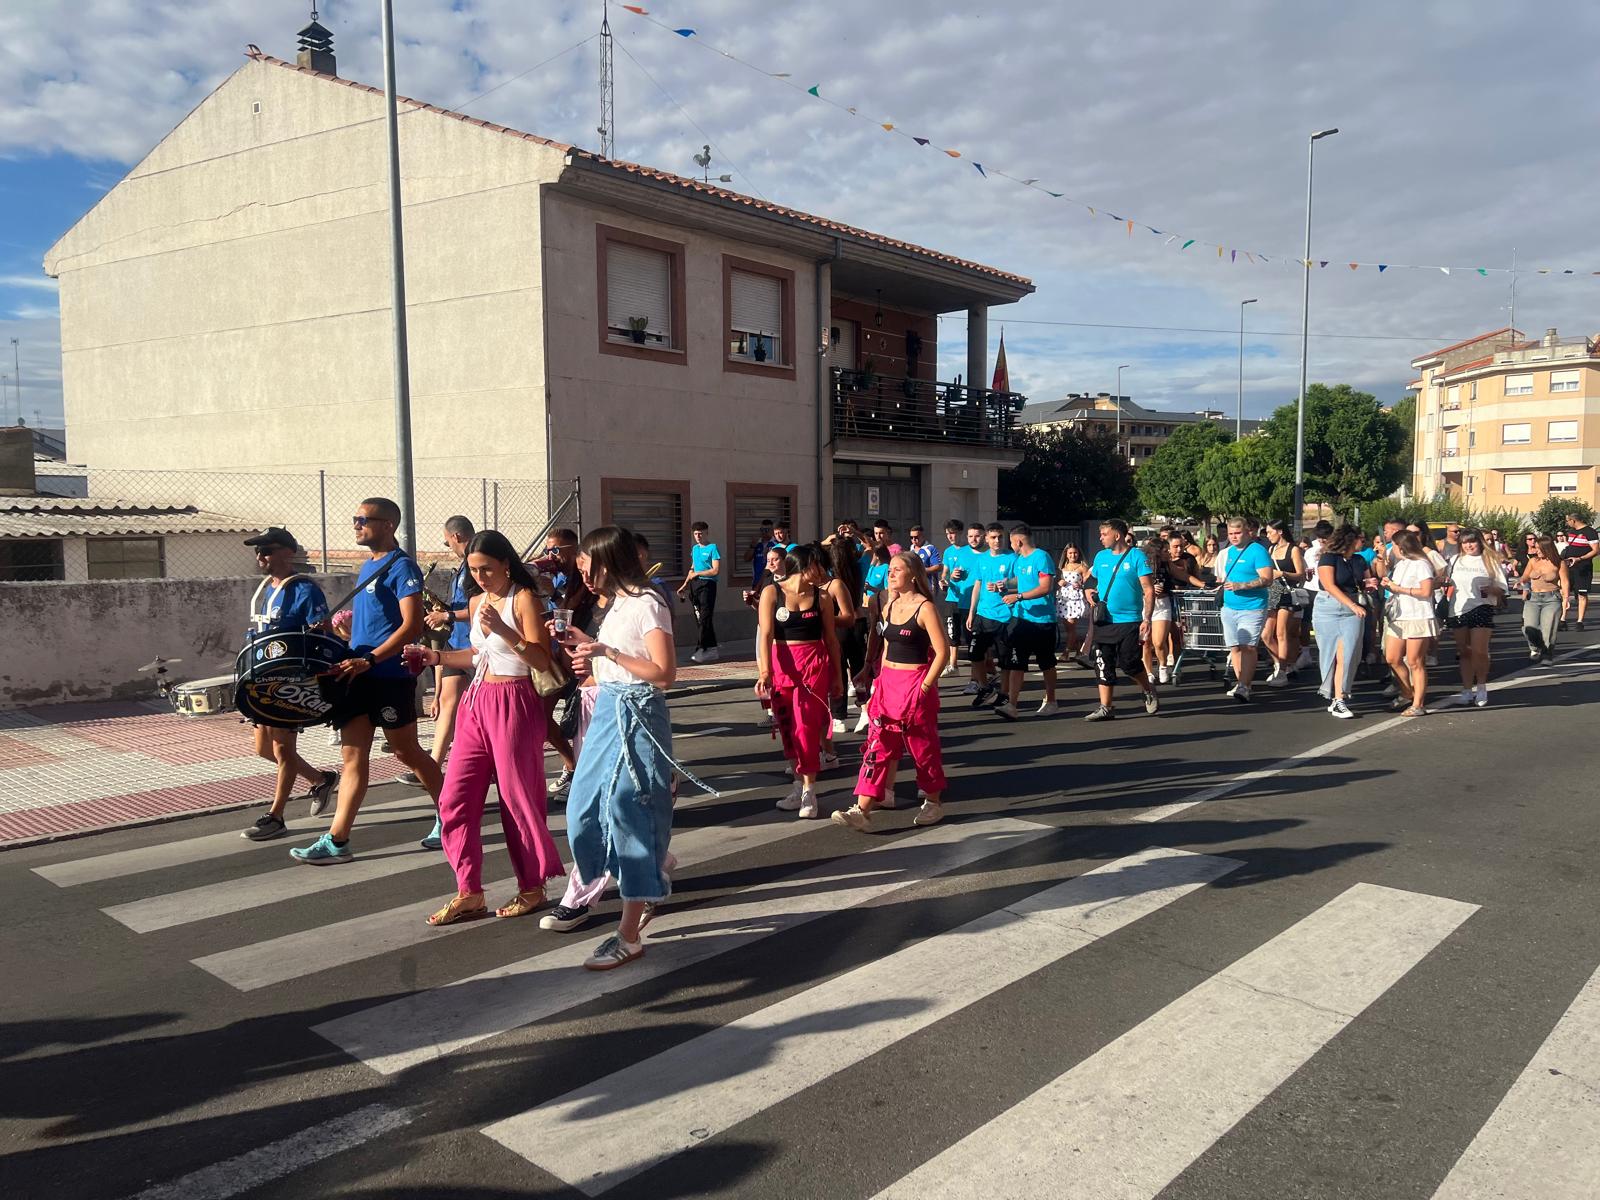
(203, 697)
(277, 677)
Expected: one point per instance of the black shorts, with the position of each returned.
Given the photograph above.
(1117, 645)
(987, 634)
(454, 672)
(387, 702)
(1580, 576)
(1478, 617)
(955, 624)
(1029, 639)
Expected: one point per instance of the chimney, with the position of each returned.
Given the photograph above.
(316, 48)
(1549, 338)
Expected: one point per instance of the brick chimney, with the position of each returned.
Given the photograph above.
(316, 48)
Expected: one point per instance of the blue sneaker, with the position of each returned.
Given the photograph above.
(322, 852)
(435, 840)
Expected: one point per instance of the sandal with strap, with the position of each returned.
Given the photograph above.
(460, 910)
(522, 904)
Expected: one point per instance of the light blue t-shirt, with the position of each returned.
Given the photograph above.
(1240, 564)
(705, 559)
(877, 577)
(1118, 587)
(992, 568)
(1031, 568)
(954, 557)
(461, 631)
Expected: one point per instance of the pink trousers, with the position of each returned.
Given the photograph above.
(499, 740)
(802, 680)
(902, 718)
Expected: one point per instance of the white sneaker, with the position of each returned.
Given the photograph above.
(791, 802)
(1305, 660)
(949, 668)
(972, 688)
(1481, 699)
(808, 805)
(1047, 708)
(1163, 675)
(1007, 711)
(1459, 700)
(1433, 660)
(1278, 679)
(863, 721)
(1277, 671)
(929, 814)
(1231, 691)
(829, 760)
(838, 725)
(1341, 710)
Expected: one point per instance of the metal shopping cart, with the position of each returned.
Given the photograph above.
(1198, 613)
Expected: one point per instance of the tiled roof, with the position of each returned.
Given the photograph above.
(61, 516)
(1480, 337)
(653, 173)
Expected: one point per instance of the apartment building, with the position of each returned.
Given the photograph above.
(1505, 421)
(1141, 431)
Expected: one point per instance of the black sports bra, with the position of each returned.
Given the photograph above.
(797, 624)
(907, 644)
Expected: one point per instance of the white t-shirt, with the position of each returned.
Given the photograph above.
(1473, 579)
(1411, 573)
(1313, 556)
(628, 620)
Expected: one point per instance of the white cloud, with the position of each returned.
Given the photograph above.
(42, 283)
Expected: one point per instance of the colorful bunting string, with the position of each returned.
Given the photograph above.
(989, 172)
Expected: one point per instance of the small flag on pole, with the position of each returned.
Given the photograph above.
(812, 90)
(1002, 376)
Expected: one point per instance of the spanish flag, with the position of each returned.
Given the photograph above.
(1002, 377)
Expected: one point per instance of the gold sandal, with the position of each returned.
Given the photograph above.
(522, 904)
(458, 910)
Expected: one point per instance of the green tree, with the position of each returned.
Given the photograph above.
(1067, 476)
(1351, 448)
(1246, 477)
(1403, 413)
(1550, 518)
(1168, 481)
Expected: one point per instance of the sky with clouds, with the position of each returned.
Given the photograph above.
(1466, 139)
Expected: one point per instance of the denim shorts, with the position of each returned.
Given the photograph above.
(1242, 626)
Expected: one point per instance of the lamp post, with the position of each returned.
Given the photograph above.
(1120, 369)
(406, 534)
(1305, 337)
(1238, 420)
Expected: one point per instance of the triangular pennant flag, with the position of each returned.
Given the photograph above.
(1130, 228)
(1058, 196)
(851, 111)
(1324, 262)
(981, 171)
(1250, 256)
(1091, 211)
(1113, 216)
(1219, 251)
(888, 126)
(1170, 240)
(1187, 244)
(1002, 375)
(1446, 270)
(920, 141)
(1382, 267)
(812, 90)
(953, 153)
(1029, 182)
(1353, 266)
(1481, 271)
(634, 8)
(1233, 256)
(684, 32)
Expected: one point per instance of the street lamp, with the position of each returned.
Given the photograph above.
(406, 534)
(1305, 337)
(1238, 420)
(1120, 369)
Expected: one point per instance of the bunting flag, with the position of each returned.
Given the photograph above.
(1002, 376)
(990, 173)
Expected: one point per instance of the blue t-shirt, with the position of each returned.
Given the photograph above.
(955, 557)
(1118, 587)
(928, 554)
(1240, 564)
(1032, 567)
(375, 611)
(461, 631)
(877, 577)
(295, 605)
(706, 559)
(992, 568)
(1369, 554)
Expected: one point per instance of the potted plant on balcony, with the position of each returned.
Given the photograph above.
(869, 374)
(636, 328)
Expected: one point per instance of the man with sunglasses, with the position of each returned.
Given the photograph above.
(285, 601)
(386, 616)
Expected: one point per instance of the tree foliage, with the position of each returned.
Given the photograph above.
(1169, 481)
(1550, 518)
(1246, 477)
(1351, 446)
(1067, 476)
(1404, 414)
(1441, 510)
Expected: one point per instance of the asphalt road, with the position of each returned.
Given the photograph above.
(1139, 958)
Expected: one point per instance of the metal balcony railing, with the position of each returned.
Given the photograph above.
(921, 410)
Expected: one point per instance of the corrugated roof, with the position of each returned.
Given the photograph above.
(687, 184)
(66, 516)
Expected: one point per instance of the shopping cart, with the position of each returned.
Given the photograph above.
(1198, 613)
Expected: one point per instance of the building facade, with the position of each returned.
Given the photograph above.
(1141, 431)
(1504, 421)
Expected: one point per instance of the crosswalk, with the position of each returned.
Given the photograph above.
(1125, 1119)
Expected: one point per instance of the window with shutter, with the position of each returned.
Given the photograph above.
(755, 317)
(655, 509)
(1563, 381)
(125, 558)
(639, 289)
(1563, 481)
(1517, 433)
(1563, 431)
(1518, 485)
(1519, 385)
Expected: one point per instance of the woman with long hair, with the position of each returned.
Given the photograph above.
(1476, 586)
(619, 810)
(1340, 615)
(905, 702)
(1409, 625)
(1548, 588)
(1072, 572)
(499, 735)
(849, 620)
(1207, 557)
(797, 654)
(1281, 636)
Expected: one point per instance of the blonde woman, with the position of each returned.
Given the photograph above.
(1206, 557)
(1072, 572)
(1547, 581)
(1409, 625)
(1476, 585)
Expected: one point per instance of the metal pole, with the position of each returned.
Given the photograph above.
(1118, 398)
(1238, 420)
(484, 524)
(1305, 337)
(406, 534)
(496, 524)
(16, 377)
(322, 497)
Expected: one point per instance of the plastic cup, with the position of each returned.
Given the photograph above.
(563, 619)
(412, 657)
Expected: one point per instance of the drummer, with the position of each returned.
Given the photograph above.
(285, 601)
(386, 616)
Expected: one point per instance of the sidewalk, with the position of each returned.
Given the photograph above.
(71, 769)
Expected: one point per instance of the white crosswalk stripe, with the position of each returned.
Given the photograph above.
(610, 1130)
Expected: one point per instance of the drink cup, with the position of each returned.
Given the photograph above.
(412, 657)
(563, 620)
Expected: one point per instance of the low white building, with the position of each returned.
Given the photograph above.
(56, 538)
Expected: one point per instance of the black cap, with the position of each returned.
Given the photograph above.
(273, 536)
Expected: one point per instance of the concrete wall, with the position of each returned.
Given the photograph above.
(86, 641)
(227, 305)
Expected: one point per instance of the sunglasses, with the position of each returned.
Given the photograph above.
(362, 522)
(265, 551)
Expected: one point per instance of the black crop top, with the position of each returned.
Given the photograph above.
(797, 624)
(907, 644)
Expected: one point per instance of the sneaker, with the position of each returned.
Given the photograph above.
(562, 783)
(853, 818)
(613, 953)
(1432, 660)
(1101, 713)
(1007, 711)
(1278, 679)
(1533, 656)
(1152, 703)
(435, 839)
(1163, 674)
(829, 761)
(1579, 626)
(1561, 626)
(321, 852)
(949, 668)
(1242, 694)
(265, 829)
(410, 777)
(709, 656)
(863, 721)
(808, 805)
(929, 814)
(1341, 710)
(1305, 660)
(982, 695)
(562, 919)
(1229, 694)
(970, 690)
(1481, 699)
(1047, 708)
(791, 802)
(1459, 700)
(323, 792)
(1390, 692)
(695, 657)
(1277, 672)
(838, 725)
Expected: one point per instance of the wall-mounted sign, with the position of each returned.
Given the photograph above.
(874, 505)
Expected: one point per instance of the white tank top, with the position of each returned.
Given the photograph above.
(495, 655)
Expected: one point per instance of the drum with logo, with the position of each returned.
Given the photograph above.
(202, 697)
(277, 677)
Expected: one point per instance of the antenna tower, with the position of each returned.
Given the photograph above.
(608, 110)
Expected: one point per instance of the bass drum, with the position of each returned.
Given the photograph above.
(276, 677)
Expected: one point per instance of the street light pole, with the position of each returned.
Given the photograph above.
(1120, 369)
(16, 377)
(405, 535)
(1305, 338)
(1238, 420)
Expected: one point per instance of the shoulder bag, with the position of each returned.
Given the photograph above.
(1441, 606)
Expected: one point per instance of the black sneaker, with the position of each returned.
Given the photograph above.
(410, 777)
(984, 695)
(1100, 713)
(324, 792)
(562, 919)
(265, 829)
(1561, 626)
(1579, 626)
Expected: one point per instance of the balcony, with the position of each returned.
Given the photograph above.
(919, 410)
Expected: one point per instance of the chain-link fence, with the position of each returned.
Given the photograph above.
(138, 524)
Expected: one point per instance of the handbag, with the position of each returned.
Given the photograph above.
(1100, 614)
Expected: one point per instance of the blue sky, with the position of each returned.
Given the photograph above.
(1460, 145)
